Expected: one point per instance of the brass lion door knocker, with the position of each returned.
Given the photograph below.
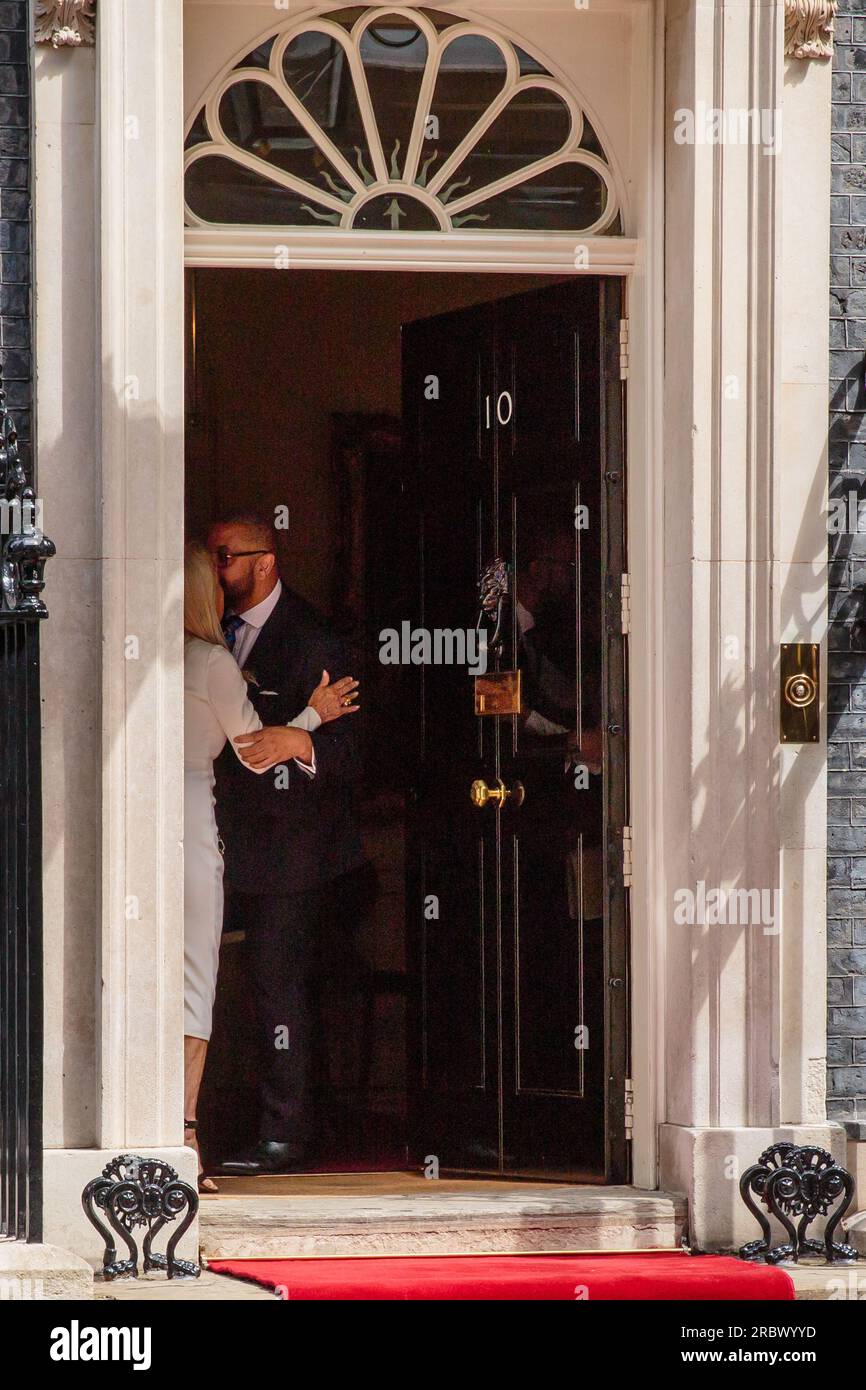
(493, 591)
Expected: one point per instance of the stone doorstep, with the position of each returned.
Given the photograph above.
(536, 1219)
(209, 1288)
(835, 1282)
(827, 1283)
(855, 1234)
(42, 1272)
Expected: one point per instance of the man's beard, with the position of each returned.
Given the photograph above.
(238, 592)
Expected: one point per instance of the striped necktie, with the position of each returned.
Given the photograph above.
(231, 627)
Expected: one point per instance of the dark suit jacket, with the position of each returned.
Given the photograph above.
(291, 839)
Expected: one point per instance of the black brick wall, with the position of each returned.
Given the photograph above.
(15, 244)
(846, 807)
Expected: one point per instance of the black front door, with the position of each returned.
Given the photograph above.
(517, 922)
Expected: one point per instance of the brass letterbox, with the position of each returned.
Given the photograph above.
(498, 693)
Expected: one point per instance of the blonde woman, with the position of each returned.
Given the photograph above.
(216, 710)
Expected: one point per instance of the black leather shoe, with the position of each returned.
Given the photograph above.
(267, 1156)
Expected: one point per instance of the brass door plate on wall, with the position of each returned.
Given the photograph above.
(799, 684)
(498, 693)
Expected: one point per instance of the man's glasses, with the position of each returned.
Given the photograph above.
(224, 556)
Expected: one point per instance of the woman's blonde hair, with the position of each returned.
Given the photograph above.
(200, 618)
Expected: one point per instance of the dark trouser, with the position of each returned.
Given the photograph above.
(279, 944)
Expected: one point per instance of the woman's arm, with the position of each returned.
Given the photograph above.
(227, 697)
(277, 744)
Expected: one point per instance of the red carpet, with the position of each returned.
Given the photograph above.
(648, 1275)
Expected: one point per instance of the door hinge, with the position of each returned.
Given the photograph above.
(627, 865)
(623, 349)
(629, 1108)
(625, 591)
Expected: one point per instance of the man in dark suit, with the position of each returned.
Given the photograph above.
(287, 832)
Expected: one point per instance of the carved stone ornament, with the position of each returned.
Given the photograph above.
(66, 23)
(809, 28)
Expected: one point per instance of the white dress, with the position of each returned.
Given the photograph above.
(216, 709)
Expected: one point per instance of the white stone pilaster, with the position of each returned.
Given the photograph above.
(801, 575)
(141, 335)
(65, 276)
(109, 297)
(744, 543)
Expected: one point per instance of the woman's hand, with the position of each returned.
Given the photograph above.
(333, 701)
(277, 743)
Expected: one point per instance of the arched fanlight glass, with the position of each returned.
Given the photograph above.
(409, 120)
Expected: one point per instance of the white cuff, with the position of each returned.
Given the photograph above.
(308, 768)
(307, 719)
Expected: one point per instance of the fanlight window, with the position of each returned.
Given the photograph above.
(409, 121)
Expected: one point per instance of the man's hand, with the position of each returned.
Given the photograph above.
(333, 701)
(275, 744)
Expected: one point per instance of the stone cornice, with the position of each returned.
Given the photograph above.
(65, 23)
(809, 28)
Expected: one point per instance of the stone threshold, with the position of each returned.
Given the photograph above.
(42, 1272)
(819, 1282)
(855, 1234)
(403, 1214)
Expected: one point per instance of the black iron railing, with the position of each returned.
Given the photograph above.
(23, 553)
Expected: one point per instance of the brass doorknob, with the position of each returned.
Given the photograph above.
(480, 793)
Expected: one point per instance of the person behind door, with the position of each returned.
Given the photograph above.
(216, 711)
(547, 627)
(286, 835)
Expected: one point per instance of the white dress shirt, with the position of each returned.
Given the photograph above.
(246, 637)
(525, 619)
(253, 621)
